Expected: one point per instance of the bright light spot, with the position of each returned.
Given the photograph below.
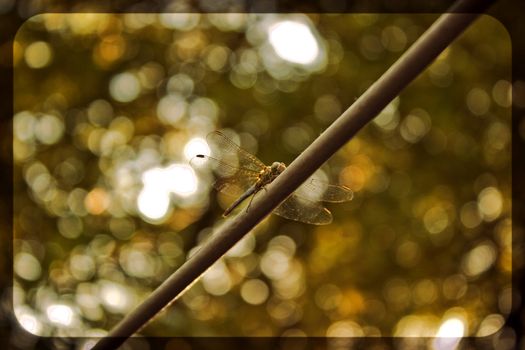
(388, 118)
(216, 280)
(479, 259)
(490, 325)
(490, 203)
(502, 93)
(196, 146)
(124, 87)
(49, 129)
(38, 54)
(345, 329)
(180, 21)
(470, 215)
(181, 84)
(243, 247)
(85, 23)
(206, 108)
(139, 20)
(393, 38)
(452, 327)
(294, 42)
(154, 199)
(284, 311)
(449, 334)
(217, 57)
(24, 125)
(137, 263)
(293, 285)
(171, 108)
(97, 201)
(153, 178)
(425, 292)
(115, 297)
(180, 179)
(415, 326)
(283, 244)
(27, 266)
(254, 292)
(30, 323)
(88, 344)
(60, 313)
(275, 264)
(100, 112)
(228, 21)
(89, 303)
(82, 266)
(177, 178)
(27, 319)
(153, 203)
(415, 125)
(435, 219)
(478, 101)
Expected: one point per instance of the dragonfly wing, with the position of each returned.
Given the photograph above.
(304, 210)
(318, 190)
(231, 180)
(227, 151)
(234, 187)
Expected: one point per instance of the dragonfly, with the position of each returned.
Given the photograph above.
(240, 174)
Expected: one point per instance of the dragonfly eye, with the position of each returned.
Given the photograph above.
(278, 167)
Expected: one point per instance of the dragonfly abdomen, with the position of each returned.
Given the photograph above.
(239, 200)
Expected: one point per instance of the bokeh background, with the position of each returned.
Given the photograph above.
(109, 109)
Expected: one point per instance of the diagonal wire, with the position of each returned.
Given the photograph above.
(441, 34)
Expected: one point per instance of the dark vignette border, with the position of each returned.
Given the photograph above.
(506, 11)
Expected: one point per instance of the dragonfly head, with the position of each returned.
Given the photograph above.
(277, 168)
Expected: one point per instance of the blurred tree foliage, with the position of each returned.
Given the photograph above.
(108, 109)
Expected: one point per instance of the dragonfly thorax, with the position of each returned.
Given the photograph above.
(269, 173)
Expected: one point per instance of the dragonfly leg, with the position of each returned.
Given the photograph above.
(251, 199)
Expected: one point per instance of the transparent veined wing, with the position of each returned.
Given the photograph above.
(238, 170)
(301, 209)
(305, 203)
(232, 180)
(321, 191)
(227, 151)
